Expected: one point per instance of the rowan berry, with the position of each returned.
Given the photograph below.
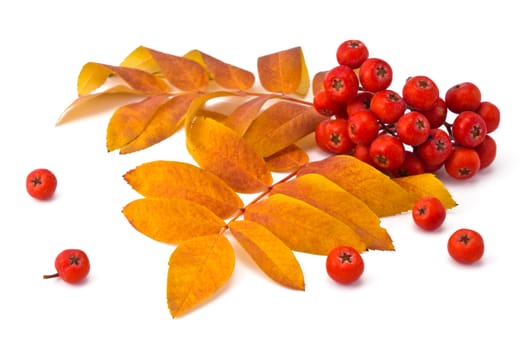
(486, 151)
(469, 129)
(341, 84)
(413, 128)
(331, 135)
(463, 163)
(466, 246)
(420, 93)
(412, 165)
(325, 105)
(41, 184)
(72, 266)
(388, 106)
(363, 127)
(360, 102)
(490, 113)
(429, 213)
(344, 264)
(387, 152)
(375, 74)
(352, 53)
(463, 97)
(436, 149)
(437, 115)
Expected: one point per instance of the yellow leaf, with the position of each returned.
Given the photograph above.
(281, 125)
(226, 75)
(301, 226)
(243, 116)
(129, 121)
(288, 159)
(142, 59)
(426, 184)
(223, 152)
(325, 195)
(284, 72)
(198, 268)
(171, 179)
(93, 75)
(171, 220)
(269, 253)
(384, 196)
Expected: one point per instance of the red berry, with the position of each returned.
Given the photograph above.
(469, 129)
(362, 152)
(486, 151)
(388, 106)
(325, 105)
(41, 184)
(331, 135)
(463, 97)
(437, 115)
(344, 264)
(412, 165)
(413, 128)
(387, 152)
(466, 246)
(490, 113)
(360, 102)
(375, 74)
(420, 93)
(341, 84)
(429, 213)
(436, 149)
(352, 53)
(72, 266)
(463, 163)
(363, 127)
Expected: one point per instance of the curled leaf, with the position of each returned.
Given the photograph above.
(426, 184)
(301, 226)
(243, 116)
(223, 152)
(284, 72)
(384, 196)
(287, 159)
(198, 268)
(171, 220)
(171, 179)
(269, 253)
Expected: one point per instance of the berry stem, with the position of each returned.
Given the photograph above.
(51, 276)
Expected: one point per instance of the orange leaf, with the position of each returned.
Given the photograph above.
(301, 226)
(426, 184)
(142, 59)
(288, 159)
(171, 179)
(226, 75)
(318, 82)
(223, 152)
(281, 125)
(129, 121)
(164, 123)
(324, 194)
(284, 72)
(243, 116)
(171, 220)
(198, 268)
(93, 75)
(269, 253)
(377, 190)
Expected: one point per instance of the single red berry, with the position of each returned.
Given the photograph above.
(360, 102)
(420, 93)
(341, 84)
(436, 149)
(363, 127)
(437, 115)
(429, 213)
(413, 128)
(463, 163)
(463, 97)
(331, 135)
(344, 264)
(466, 246)
(486, 152)
(412, 165)
(375, 74)
(490, 113)
(388, 106)
(387, 152)
(41, 184)
(325, 105)
(362, 152)
(72, 266)
(352, 53)
(469, 129)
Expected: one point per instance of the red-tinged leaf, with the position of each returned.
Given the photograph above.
(166, 120)
(129, 121)
(288, 159)
(141, 58)
(171, 220)
(171, 179)
(225, 75)
(243, 116)
(281, 125)
(223, 152)
(269, 253)
(426, 184)
(284, 72)
(198, 268)
(325, 195)
(301, 226)
(377, 190)
(318, 82)
(93, 75)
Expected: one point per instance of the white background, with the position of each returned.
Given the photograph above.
(413, 298)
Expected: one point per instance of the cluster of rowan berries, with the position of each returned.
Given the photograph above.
(403, 133)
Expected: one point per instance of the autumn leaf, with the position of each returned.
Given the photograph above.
(318, 82)
(426, 184)
(281, 125)
(225, 75)
(93, 75)
(269, 253)
(198, 268)
(284, 72)
(325, 195)
(287, 159)
(384, 196)
(220, 150)
(301, 226)
(171, 220)
(244, 115)
(172, 179)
